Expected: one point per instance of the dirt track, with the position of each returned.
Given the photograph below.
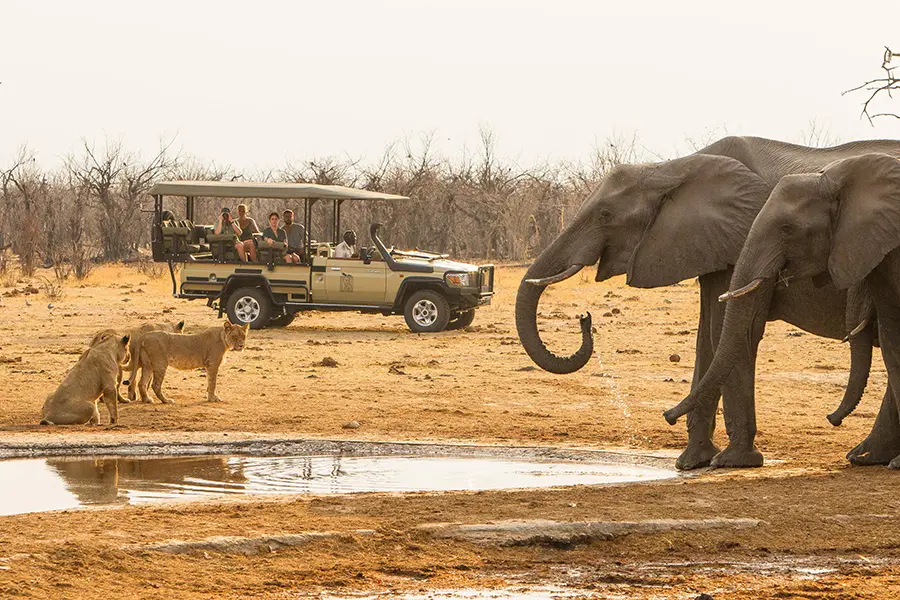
(470, 386)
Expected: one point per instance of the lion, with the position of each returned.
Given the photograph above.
(136, 335)
(159, 350)
(94, 375)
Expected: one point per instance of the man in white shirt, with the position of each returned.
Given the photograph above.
(347, 248)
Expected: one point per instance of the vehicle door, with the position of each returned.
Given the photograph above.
(352, 281)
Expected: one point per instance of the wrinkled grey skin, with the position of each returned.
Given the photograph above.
(844, 221)
(665, 222)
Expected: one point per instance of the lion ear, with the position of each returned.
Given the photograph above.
(180, 326)
(228, 324)
(125, 339)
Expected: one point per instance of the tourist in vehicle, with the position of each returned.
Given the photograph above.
(347, 248)
(296, 235)
(273, 233)
(243, 248)
(248, 228)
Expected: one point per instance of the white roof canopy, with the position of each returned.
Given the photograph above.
(242, 189)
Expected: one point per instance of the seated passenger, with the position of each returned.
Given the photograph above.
(226, 223)
(347, 248)
(296, 236)
(248, 228)
(274, 233)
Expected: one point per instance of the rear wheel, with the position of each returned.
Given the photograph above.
(426, 311)
(249, 306)
(461, 319)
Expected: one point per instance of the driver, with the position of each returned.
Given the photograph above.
(347, 248)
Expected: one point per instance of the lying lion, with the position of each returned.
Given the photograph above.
(94, 375)
(136, 335)
(159, 350)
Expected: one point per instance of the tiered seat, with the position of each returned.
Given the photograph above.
(271, 254)
(222, 246)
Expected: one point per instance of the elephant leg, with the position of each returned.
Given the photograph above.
(701, 422)
(739, 404)
(883, 442)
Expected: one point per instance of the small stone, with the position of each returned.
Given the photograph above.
(615, 311)
(607, 314)
(528, 368)
(704, 597)
(396, 370)
(674, 358)
(327, 362)
(350, 425)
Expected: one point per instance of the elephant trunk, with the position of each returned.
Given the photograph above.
(749, 294)
(526, 325)
(860, 364)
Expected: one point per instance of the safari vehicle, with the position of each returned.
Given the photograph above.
(431, 291)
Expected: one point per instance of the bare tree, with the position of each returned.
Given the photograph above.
(880, 86)
(117, 180)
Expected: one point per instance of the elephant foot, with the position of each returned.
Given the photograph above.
(735, 457)
(894, 464)
(123, 400)
(874, 450)
(696, 455)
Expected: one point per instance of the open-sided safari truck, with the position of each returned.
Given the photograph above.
(432, 292)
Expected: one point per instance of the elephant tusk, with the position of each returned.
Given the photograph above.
(556, 278)
(740, 292)
(858, 329)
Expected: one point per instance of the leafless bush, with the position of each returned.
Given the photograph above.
(147, 267)
(53, 289)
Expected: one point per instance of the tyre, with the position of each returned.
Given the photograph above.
(249, 306)
(282, 320)
(461, 319)
(426, 311)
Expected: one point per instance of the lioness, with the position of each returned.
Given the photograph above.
(136, 335)
(159, 350)
(94, 375)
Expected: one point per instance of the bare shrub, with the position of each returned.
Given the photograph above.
(147, 267)
(53, 289)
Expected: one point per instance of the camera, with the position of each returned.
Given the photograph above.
(226, 214)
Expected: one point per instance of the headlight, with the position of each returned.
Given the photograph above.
(458, 279)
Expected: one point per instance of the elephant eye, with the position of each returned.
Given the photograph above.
(605, 215)
(787, 229)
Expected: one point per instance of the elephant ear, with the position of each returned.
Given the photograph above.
(866, 223)
(702, 220)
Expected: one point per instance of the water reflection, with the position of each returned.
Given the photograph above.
(113, 480)
(34, 485)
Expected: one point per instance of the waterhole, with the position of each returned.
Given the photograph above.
(42, 484)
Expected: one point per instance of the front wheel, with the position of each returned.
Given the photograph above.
(462, 319)
(426, 311)
(249, 306)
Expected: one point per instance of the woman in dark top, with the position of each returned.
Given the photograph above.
(273, 233)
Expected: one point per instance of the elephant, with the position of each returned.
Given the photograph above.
(661, 223)
(841, 223)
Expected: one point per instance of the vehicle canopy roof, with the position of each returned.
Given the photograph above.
(244, 189)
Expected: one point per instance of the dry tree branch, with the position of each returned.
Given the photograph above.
(880, 85)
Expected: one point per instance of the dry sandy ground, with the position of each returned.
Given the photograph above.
(473, 386)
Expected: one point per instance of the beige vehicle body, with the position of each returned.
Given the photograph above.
(430, 290)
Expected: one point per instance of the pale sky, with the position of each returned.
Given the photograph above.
(254, 84)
